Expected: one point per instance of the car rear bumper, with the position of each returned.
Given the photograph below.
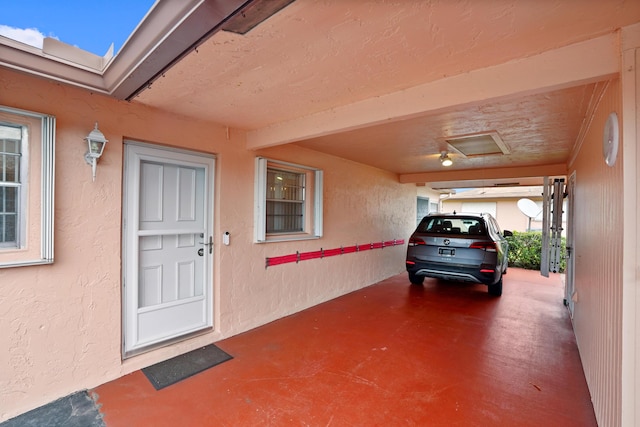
(463, 274)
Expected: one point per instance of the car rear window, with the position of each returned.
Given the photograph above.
(452, 225)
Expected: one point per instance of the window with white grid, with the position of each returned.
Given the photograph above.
(288, 201)
(10, 185)
(27, 151)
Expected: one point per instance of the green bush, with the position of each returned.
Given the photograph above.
(525, 249)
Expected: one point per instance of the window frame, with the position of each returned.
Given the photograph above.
(18, 183)
(312, 203)
(36, 211)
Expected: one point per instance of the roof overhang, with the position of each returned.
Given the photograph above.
(170, 30)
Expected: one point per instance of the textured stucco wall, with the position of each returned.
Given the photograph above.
(510, 217)
(61, 324)
(507, 213)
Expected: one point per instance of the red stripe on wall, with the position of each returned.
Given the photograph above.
(323, 253)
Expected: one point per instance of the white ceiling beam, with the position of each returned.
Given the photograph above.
(514, 173)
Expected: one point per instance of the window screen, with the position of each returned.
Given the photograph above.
(285, 201)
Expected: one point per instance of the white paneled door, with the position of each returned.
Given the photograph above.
(167, 245)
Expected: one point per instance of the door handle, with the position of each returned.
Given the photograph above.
(210, 244)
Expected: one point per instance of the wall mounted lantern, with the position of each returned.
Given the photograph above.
(445, 159)
(96, 142)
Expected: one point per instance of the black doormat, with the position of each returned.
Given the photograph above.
(171, 371)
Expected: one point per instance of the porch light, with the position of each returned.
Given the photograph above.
(96, 142)
(445, 159)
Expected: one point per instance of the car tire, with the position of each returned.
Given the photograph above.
(496, 288)
(415, 279)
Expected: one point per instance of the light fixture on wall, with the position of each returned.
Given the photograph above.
(96, 142)
(445, 159)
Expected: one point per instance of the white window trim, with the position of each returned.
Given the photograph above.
(260, 202)
(46, 187)
(21, 185)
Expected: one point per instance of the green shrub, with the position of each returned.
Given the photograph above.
(525, 249)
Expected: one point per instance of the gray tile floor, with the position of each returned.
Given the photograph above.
(76, 410)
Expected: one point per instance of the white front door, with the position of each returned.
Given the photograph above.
(167, 245)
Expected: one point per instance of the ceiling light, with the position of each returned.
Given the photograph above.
(445, 159)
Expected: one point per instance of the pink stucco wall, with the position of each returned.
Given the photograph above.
(61, 324)
(507, 213)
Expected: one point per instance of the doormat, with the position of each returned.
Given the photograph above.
(171, 371)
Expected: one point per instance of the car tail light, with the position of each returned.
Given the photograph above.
(414, 241)
(487, 270)
(487, 246)
(411, 263)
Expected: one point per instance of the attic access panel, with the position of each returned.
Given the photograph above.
(482, 144)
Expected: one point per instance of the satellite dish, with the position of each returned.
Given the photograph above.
(529, 208)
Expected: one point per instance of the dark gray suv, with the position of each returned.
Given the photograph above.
(464, 247)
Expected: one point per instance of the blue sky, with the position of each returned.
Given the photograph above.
(92, 25)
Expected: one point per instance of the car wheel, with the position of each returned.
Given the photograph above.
(415, 279)
(496, 288)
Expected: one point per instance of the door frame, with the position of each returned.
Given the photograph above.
(630, 371)
(418, 200)
(569, 286)
(133, 154)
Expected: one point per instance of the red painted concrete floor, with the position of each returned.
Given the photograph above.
(391, 354)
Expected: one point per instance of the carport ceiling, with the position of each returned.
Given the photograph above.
(385, 83)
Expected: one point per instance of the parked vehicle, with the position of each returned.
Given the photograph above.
(464, 247)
